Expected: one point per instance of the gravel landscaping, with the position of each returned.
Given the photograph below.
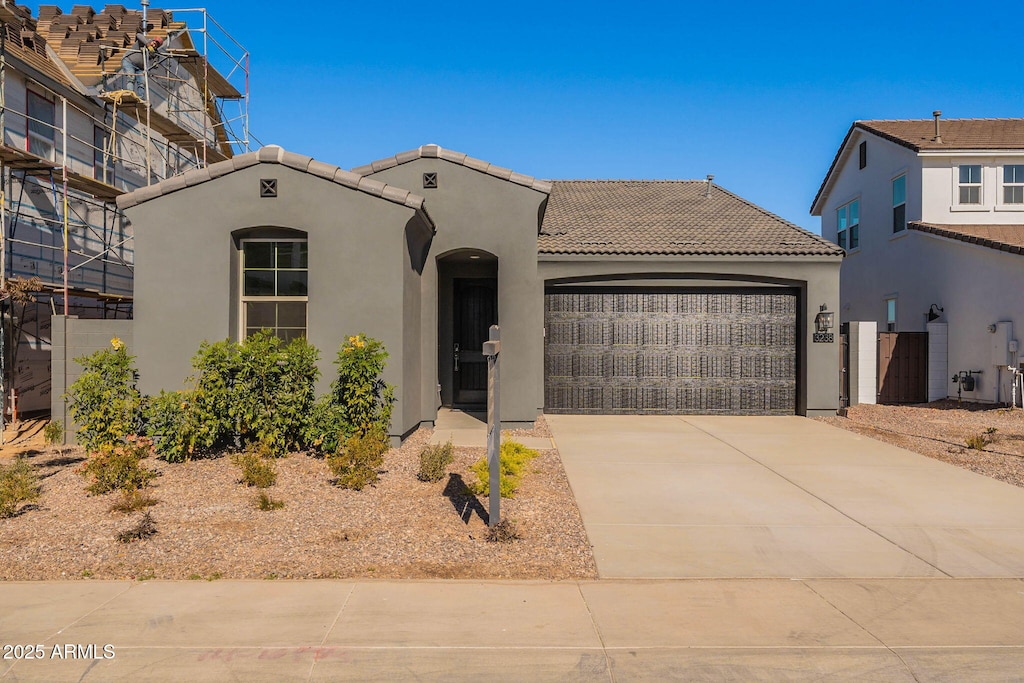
(208, 527)
(941, 430)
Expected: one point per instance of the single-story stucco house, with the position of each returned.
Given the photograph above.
(612, 296)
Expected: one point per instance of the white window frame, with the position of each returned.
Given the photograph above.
(890, 321)
(961, 185)
(244, 299)
(1017, 184)
(850, 232)
(895, 206)
(31, 136)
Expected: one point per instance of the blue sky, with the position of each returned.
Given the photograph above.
(759, 94)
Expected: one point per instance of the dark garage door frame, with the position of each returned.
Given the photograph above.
(620, 353)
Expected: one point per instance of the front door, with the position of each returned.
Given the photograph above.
(476, 309)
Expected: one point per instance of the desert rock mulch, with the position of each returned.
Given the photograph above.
(208, 526)
(941, 430)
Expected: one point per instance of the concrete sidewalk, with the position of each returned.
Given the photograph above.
(879, 630)
(785, 497)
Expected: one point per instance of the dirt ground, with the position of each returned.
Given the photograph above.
(208, 526)
(941, 430)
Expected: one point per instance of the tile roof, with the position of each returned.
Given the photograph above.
(82, 35)
(1009, 238)
(957, 134)
(272, 154)
(667, 217)
(919, 135)
(438, 152)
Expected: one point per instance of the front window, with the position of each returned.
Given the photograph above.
(41, 132)
(899, 204)
(1013, 184)
(848, 225)
(890, 315)
(275, 287)
(970, 184)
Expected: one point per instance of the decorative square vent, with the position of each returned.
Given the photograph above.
(430, 180)
(268, 187)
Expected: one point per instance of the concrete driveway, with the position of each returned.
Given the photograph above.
(784, 497)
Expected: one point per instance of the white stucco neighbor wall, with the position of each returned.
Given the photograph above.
(863, 362)
(940, 200)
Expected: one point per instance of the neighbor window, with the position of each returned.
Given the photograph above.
(970, 184)
(848, 225)
(899, 204)
(274, 289)
(890, 315)
(41, 128)
(863, 154)
(1013, 184)
(102, 157)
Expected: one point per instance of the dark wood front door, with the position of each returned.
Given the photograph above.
(476, 309)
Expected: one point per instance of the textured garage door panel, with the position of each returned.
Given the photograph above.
(670, 352)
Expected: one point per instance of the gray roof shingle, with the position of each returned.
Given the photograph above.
(272, 154)
(438, 152)
(667, 217)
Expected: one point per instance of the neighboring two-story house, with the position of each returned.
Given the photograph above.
(931, 215)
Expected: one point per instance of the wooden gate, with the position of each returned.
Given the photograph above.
(903, 367)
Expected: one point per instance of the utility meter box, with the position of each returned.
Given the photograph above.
(1001, 354)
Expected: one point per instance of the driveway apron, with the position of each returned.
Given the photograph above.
(783, 497)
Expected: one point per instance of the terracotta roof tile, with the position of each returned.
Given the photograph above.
(667, 218)
(957, 134)
(437, 152)
(1009, 238)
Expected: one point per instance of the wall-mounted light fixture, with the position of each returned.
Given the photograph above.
(824, 320)
(934, 311)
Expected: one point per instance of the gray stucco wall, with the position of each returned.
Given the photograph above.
(816, 278)
(74, 338)
(361, 275)
(474, 210)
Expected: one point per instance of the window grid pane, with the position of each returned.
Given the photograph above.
(1013, 173)
(274, 270)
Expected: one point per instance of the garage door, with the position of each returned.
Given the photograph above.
(674, 352)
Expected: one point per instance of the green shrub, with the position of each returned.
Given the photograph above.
(260, 390)
(103, 401)
(513, 459)
(360, 400)
(358, 460)
(434, 461)
(18, 484)
(53, 433)
(118, 466)
(266, 503)
(258, 469)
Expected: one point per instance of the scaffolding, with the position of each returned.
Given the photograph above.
(77, 133)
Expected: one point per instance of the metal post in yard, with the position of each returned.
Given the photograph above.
(492, 349)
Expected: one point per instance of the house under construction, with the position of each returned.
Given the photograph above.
(80, 127)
